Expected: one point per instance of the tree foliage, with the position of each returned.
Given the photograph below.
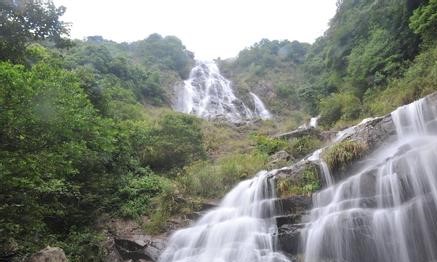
(26, 21)
(424, 21)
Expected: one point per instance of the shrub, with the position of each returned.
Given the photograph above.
(137, 193)
(308, 183)
(342, 154)
(300, 147)
(419, 80)
(268, 145)
(168, 203)
(176, 142)
(83, 245)
(344, 106)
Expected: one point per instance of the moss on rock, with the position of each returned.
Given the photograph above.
(308, 182)
(342, 154)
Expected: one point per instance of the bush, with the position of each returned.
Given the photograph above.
(176, 142)
(168, 203)
(83, 245)
(419, 80)
(137, 193)
(308, 183)
(300, 147)
(342, 154)
(344, 106)
(268, 145)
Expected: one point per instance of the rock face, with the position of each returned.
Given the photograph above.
(300, 132)
(127, 241)
(49, 254)
(371, 132)
(280, 158)
(138, 247)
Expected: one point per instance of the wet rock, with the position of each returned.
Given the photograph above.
(49, 254)
(280, 158)
(295, 204)
(294, 172)
(288, 219)
(112, 254)
(209, 205)
(300, 132)
(375, 132)
(288, 239)
(138, 247)
(327, 135)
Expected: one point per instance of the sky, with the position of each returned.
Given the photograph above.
(209, 28)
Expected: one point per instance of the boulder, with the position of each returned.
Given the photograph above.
(138, 247)
(300, 132)
(49, 254)
(279, 159)
(288, 239)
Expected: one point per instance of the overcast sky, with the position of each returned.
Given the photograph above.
(209, 28)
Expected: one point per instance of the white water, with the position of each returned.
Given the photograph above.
(208, 94)
(314, 121)
(260, 108)
(239, 230)
(315, 157)
(387, 212)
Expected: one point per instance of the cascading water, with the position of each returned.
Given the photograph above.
(239, 230)
(314, 121)
(209, 95)
(260, 108)
(387, 211)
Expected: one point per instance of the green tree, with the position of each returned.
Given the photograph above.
(177, 141)
(54, 152)
(424, 21)
(26, 21)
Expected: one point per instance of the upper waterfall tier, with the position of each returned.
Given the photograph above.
(209, 95)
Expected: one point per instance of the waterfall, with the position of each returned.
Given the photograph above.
(315, 157)
(208, 94)
(314, 121)
(239, 230)
(387, 211)
(260, 109)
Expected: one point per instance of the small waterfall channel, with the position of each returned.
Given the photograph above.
(208, 94)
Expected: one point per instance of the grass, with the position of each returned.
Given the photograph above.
(342, 154)
(199, 182)
(302, 146)
(209, 180)
(306, 184)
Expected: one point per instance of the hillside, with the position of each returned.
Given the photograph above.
(374, 57)
(88, 136)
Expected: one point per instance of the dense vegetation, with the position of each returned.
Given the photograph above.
(86, 132)
(270, 69)
(374, 57)
(79, 136)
